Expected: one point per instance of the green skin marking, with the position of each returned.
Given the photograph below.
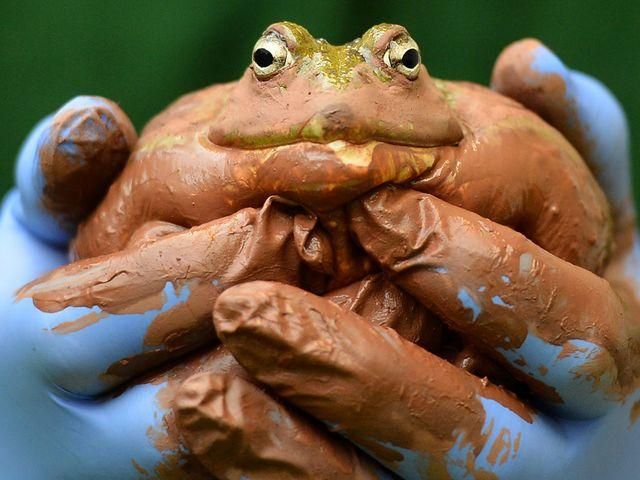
(448, 95)
(165, 142)
(336, 63)
(263, 141)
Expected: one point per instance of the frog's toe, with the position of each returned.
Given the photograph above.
(69, 161)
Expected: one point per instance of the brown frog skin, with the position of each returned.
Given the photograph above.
(329, 123)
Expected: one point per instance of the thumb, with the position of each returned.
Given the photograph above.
(67, 163)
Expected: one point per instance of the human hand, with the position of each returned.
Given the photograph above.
(568, 334)
(64, 168)
(62, 360)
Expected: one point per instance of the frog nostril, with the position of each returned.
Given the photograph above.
(262, 57)
(411, 58)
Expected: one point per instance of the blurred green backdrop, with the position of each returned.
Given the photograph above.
(145, 53)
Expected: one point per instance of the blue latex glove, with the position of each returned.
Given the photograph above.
(423, 418)
(45, 432)
(59, 416)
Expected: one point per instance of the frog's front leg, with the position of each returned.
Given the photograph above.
(153, 299)
(68, 162)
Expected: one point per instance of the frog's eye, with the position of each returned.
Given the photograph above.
(403, 54)
(270, 55)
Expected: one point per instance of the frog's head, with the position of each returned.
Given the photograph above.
(299, 88)
(327, 123)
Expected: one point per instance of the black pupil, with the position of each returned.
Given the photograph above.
(262, 57)
(411, 58)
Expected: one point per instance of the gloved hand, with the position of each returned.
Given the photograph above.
(46, 432)
(60, 415)
(571, 336)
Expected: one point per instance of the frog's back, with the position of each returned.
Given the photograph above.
(517, 170)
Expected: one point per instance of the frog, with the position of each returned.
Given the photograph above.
(314, 126)
(341, 121)
(271, 178)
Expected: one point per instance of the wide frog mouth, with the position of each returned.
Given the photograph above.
(321, 176)
(314, 92)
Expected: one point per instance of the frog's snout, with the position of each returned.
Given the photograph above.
(335, 122)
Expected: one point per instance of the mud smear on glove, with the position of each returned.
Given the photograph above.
(478, 277)
(356, 376)
(236, 430)
(81, 153)
(218, 422)
(280, 242)
(177, 463)
(543, 93)
(237, 438)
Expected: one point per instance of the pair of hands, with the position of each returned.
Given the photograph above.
(416, 414)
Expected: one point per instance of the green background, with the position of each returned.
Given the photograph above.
(144, 53)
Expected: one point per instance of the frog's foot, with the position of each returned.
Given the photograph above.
(68, 162)
(581, 107)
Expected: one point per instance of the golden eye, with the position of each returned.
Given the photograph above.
(403, 54)
(270, 55)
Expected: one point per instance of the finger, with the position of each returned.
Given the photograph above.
(417, 414)
(581, 107)
(68, 162)
(131, 435)
(235, 429)
(170, 426)
(382, 303)
(102, 321)
(559, 325)
(514, 169)
(21, 253)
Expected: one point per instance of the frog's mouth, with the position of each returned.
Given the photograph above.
(335, 123)
(335, 155)
(324, 176)
(327, 129)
